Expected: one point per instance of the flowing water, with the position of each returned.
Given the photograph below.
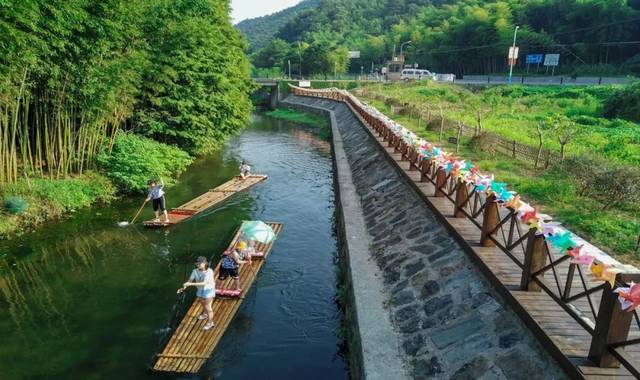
(85, 299)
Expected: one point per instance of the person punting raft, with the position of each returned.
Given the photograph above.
(206, 200)
(156, 196)
(203, 278)
(190, 344)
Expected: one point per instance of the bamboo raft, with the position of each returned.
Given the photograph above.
(190, 346)
(207, 200)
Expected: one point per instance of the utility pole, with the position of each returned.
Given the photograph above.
(300, 57)
(512, 60)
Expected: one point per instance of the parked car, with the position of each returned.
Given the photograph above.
(416, 74)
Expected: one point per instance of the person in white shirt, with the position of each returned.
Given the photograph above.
(203, 278)
(156, 195)
(245, 170)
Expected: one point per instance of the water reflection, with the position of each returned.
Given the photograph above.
(87, 299)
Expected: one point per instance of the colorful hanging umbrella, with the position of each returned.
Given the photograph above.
(258, 231)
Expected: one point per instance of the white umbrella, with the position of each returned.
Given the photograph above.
(258, 231)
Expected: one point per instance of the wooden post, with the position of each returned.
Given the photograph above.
(612, 324)
(441, 124)
(513, 149)
(535, 258)
(441, 180)
(490, 221)
(424, 170)
(459, 137)
(462, 195)
(546, 162)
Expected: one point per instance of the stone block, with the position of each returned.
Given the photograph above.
(457, 332)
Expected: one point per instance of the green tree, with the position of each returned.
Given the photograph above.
(196, 91)
(275, 54)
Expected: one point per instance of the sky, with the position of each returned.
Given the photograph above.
(243, 9)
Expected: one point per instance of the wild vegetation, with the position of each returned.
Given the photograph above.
(462, 37)
(29, 202)
(74, 74)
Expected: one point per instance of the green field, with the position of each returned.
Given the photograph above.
(513, 112)
(552, 191)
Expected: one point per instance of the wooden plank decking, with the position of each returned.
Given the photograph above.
(190, 346)
(565, 339)
(207, 200)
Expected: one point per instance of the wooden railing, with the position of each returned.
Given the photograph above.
(509, 147)
(543, 267)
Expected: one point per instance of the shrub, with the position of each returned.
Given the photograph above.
(135, 159)
(582, 170)
(52, 198)
(616, 185)
(484, 142)
(624, 103)
(434, 124)
(15, 205)
(73, 193)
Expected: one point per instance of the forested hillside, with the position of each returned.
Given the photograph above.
(465, 36)
(260, 30)
(81, 79)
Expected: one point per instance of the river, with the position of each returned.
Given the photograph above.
(85, 299)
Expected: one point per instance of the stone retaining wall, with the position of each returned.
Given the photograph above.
(450, 322)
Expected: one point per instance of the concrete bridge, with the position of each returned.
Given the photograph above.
(271, 85)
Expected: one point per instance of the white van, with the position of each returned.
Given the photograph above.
(416, 74)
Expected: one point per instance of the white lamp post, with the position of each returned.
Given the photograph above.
(513, 49)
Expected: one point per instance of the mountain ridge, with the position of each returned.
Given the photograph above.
(260, 30)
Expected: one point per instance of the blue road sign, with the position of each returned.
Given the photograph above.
(534, 58)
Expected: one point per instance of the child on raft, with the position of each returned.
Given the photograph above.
(229, 267)
(245, 250)
(203, 278)
(245, 170)
(156, 196)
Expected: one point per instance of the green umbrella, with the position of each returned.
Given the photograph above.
(258, 231)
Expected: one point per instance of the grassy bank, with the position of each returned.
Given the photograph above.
(125, 169)
(299, 117)
(513, 112)
(42, 199)
(615, 230)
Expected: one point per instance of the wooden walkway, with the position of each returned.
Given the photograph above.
(566, 340)
(190, 346)
(207, 200)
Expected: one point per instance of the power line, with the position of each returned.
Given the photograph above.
(468, 48)
(504, 44)
(595, 27)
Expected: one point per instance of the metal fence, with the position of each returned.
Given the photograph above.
(542, 80)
